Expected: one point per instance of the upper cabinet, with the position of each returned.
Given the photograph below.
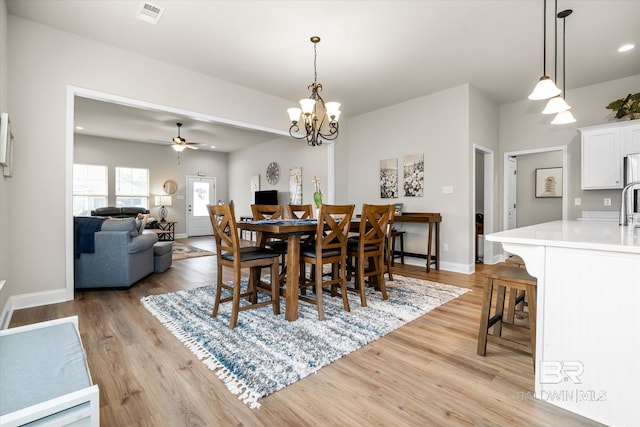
(603, 151)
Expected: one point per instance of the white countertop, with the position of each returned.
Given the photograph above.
(602, 236)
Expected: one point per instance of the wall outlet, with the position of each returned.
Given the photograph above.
(447, 189)
(445, 247)
(607, 201)
(577, 201)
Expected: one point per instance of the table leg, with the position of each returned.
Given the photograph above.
(437, 246)
(429, 247)
(293, 275)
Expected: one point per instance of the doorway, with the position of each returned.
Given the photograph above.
(201, 192)
(483, 206)
(510, 205)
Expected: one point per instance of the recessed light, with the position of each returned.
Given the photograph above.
(626, 47)
(79, 128)
(213, 146)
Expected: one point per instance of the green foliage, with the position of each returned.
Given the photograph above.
(628, 106)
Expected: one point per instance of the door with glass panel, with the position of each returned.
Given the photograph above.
(200, 193)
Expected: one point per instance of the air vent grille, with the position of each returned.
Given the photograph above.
(149, 12)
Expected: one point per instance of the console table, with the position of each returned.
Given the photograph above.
(434, 220)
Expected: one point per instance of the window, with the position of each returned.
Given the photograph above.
(132, 187)
(89, 188)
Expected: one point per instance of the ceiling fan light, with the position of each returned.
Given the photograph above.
(545, 89)
(563, 117)
(556, 105)
(178, 148)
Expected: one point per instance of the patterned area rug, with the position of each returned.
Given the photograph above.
(182, 251)
(265, 353)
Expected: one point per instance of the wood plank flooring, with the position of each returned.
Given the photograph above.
(425, 373)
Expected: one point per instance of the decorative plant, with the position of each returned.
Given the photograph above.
(317, 191)
(628, 106)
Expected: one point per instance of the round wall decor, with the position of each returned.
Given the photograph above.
(273, 173)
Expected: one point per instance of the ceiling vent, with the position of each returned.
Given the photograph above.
(149, 12)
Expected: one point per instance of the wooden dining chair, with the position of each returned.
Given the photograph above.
(389, 243)
(369, 245)
(276, 243)
(300, 211)
(330, 247)
(230, 254)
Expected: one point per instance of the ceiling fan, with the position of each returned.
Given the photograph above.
(179, 143)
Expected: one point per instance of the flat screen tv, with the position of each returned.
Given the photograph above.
(266, 197)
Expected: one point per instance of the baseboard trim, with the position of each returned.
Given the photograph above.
(420, 261)
(36, 299)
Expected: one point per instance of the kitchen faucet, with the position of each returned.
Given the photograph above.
(624, 209)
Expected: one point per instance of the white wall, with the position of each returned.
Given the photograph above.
(42, 63)
(522, 127)
(288, 153)
(162, 162)
(438, 126)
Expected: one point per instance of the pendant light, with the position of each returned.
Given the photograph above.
(564, 117)
(557, 103)
(545, 88)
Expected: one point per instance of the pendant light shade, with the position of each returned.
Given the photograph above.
(563, 117)
(556, 105)
(545, 88)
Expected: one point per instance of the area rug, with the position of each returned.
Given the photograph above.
(182, 251)
(265, 353)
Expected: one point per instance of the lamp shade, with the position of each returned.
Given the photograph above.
(556, 105)
(307, 105)
(163, 200)
(333, 110)
(563, 117)
(179, 148)
(545, 89)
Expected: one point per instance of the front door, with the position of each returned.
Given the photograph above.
(200, 193)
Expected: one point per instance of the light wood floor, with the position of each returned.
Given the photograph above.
(425, 373)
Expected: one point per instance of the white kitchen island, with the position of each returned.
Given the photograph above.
(588, 314)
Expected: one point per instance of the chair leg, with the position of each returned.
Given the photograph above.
(531, 293)
(343, 286)
(275, 287)
(235, 308)
(216, 304)
(318, 287)
(378, 261)
(497, 328)
(389, 261)
(360, 281)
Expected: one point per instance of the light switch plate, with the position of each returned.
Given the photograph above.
(607, 201)
(577, 201)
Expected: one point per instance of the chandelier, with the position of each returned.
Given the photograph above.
(320, 119)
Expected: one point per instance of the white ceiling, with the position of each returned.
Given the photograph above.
(372, 53)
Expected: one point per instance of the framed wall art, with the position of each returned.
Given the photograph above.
(389, 178)
(548, 182)
(414, 175)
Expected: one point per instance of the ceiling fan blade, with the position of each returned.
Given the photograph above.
(191, 146)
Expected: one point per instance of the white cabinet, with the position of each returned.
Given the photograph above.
(602, 158)
(631, 138)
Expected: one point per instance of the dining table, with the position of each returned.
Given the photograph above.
(293, 230)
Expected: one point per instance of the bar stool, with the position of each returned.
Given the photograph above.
(501, 277)
(395, 254)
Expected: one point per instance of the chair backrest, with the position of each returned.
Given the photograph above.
(225, 229)
(267, 212)
(300, 211)
(333, 227)
(374, 225)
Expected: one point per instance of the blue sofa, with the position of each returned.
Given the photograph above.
(119, 255)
